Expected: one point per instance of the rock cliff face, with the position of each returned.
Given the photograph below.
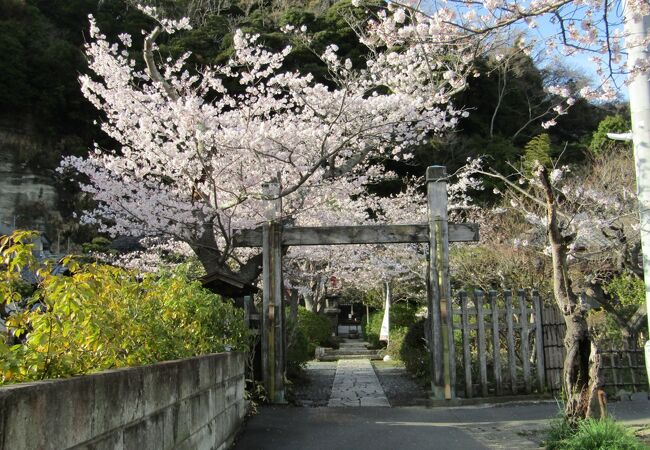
(27, 196)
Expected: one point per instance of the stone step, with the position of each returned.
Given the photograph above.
(353, 347)
(374, 357)
(346, 351)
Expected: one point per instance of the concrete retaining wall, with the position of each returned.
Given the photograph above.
(195, 403)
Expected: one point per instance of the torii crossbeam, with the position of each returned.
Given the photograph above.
(272, 235)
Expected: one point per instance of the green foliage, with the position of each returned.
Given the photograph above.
(396, 341)
(600, 143)
(311, 330)
(16, 257)
(537, 151)
(560, 429)
(372, 328)
(591, 434)
(402, 315)
(98, 244)
(103, 317)
(414, 352)
(297, 348)
(629, 291)
(317, 328)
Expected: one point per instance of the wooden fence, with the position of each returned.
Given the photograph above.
(498, 340)
(510, 343)
(621, 368)
(553, 336)
(624, 369)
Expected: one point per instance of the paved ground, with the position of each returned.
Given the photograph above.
(356, 384)
(511, 426)
(399, 386)
(314, 387)
(345, 425)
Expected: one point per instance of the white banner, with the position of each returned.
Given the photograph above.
(385, 324)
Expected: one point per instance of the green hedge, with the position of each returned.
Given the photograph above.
(402, 315)
(316, 328)
(414, 352)
(311, 330)
(102, 317)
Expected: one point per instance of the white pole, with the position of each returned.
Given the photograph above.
(639, 90)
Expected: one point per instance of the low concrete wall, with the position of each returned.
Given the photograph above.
(195, 403)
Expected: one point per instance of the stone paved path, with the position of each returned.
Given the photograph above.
(356, 384)
(314, 387)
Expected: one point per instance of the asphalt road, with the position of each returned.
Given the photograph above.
(394, 428)
(502, 426)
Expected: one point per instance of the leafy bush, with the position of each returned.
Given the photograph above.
(315, 327)
(311, 330)
(396, 342)
(402, 315)
(629, 290)
(414, 352)
(600, 143)
(372, 328)
(297, 348)
(103, 317)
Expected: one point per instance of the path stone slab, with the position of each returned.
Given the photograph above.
(356, 384)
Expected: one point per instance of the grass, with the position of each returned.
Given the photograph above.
(591, 434)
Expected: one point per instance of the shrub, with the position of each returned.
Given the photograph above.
(414, 352)
(372, 329)
(315, 327)
(402, 315)
(396, 342)
(600, 143)
(298, 347)
(102, 317)
(309, 331)
(592, 434)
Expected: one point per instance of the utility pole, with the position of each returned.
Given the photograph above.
(639, 91)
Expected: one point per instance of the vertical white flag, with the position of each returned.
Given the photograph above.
(385, 324)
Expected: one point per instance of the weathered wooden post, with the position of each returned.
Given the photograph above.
(439, 289)
(273, 358)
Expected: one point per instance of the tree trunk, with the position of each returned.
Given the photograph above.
(577, 344)
(577, 341)
(310, 305)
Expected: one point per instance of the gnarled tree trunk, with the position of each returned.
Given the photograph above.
(580, 384)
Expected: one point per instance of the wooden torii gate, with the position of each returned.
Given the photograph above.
(437, 232)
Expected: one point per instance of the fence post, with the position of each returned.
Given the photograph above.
(439, 289)
(496, 343)
(525, 351)
(507, 295)
(480, 334)
(273, 340)
(467, 356)
(539, 344)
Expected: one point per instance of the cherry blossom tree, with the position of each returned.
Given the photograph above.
(365, 267)
(594, 28)
(569, 27)
(195, 146)
(585, 223)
